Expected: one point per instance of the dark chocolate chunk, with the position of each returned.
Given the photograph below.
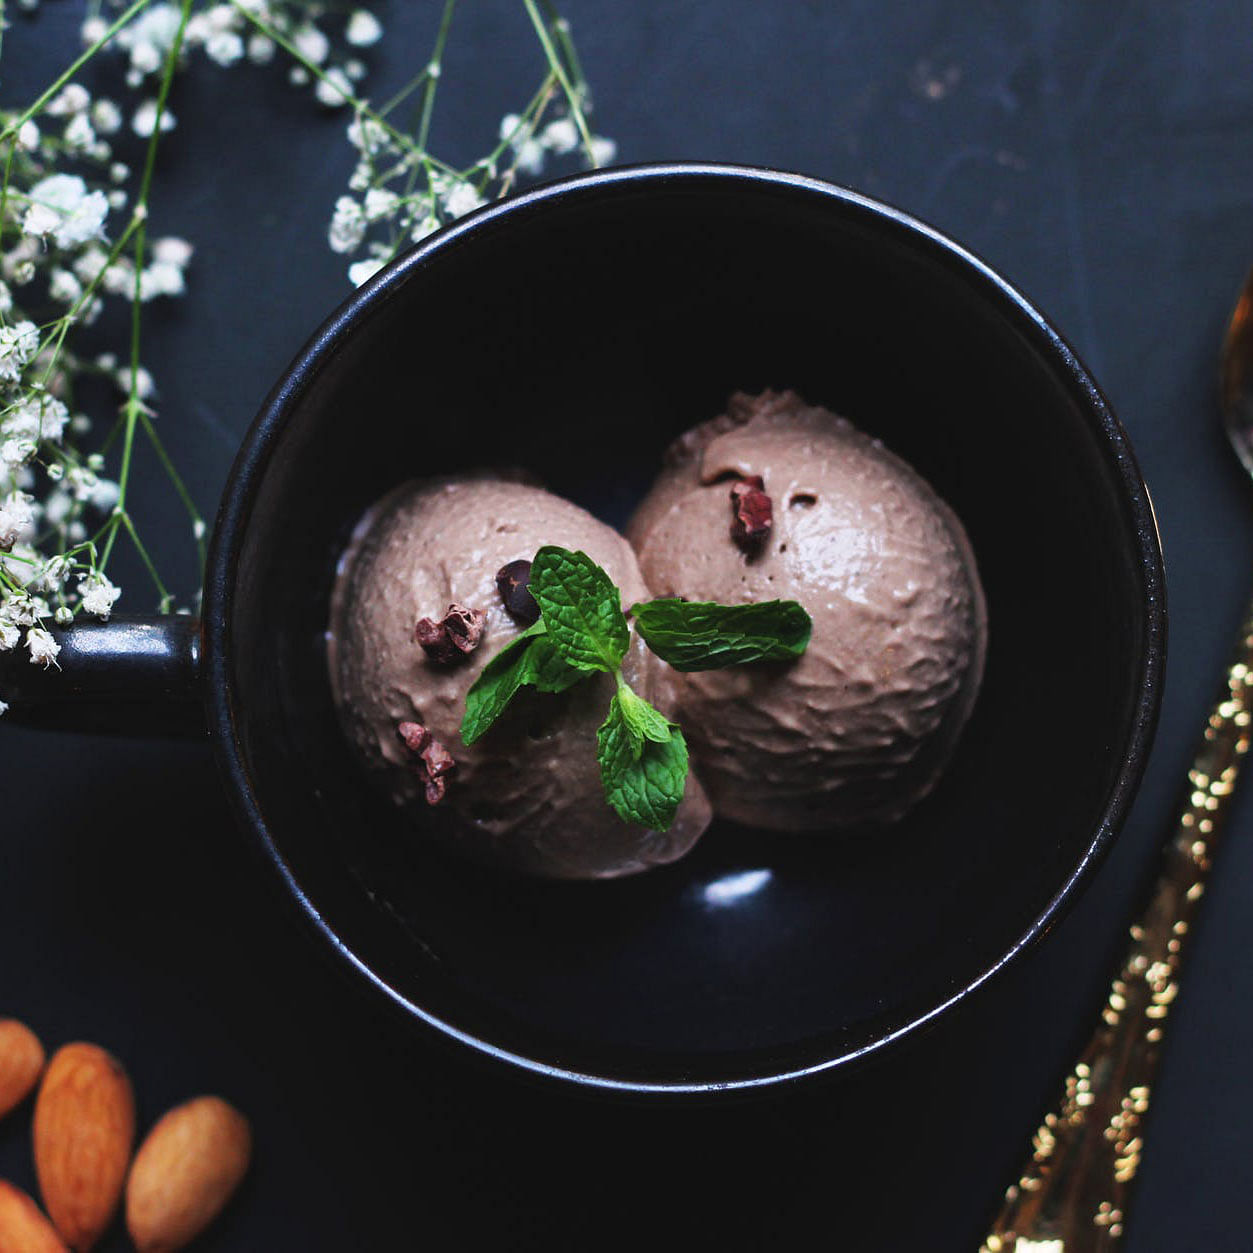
(457, 633)
(754, 512)
(514, 583)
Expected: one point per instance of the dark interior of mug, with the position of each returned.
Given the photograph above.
(577, 337)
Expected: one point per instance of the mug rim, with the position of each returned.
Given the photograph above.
(265, 434)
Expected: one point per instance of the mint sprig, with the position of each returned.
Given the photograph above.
(703, 635)
(583, 631)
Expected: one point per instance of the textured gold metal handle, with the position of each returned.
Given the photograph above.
(1072, 1194)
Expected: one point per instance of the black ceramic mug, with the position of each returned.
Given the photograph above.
(576, 330)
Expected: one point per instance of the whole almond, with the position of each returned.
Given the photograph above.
(84, 1130)
(21, 1062)
(23, 1228)
(185, 1172)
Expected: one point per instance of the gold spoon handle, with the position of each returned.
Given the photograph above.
(1073, 1191)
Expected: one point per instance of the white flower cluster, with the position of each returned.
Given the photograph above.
(532, 146)
(74, 235)
(403, 194)
(230, 33)
(58, 268)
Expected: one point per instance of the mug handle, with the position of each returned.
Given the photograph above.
(130, 676)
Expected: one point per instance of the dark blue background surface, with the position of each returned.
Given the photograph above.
(1101, 160)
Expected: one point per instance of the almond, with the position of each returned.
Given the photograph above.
(185, 1172)
(23, 1228)
(84, 1130)
(21, 1062)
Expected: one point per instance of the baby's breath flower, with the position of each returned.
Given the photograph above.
(50, 576)
(61, 206)
(172, 250)
(144, 121)
(80, 481)
(461, 198)
(361, 271)
(333, 89)
(57, 508)
(366, 135)
(42, 647)
(379, 203)
(17, 519)
(529, 156)
(424, 227)
(348, 225)
(104, 495)
(73, 98)
(144, 386)
(35, 416)
(560, 135)
(603, 150)
(64, 286)
(98, 595)
(363, 28)
(225, 47)
(106, 117)
(10, 635)
(79, 135)
(311, 43)
(93, 30)
(17, 346)
(149, 39)
(15, 453)
(28, 136)
(260, 49)
(161, 279)
(20, 609)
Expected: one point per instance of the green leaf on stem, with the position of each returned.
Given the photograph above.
(642, 774)
(704, 635)
(581, 607)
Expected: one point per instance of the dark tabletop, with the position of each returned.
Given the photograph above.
(1099, 156)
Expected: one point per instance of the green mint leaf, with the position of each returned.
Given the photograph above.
(497, 684)
(703, 635)
(529, 660)
(546, 669)
(643, 721)
(643, 778)
(581, 607)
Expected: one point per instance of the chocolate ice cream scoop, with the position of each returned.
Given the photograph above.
(528, 795)
(860, 727)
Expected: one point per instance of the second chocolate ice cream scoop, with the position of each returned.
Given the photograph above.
(860, 727)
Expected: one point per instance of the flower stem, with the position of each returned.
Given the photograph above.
(558, 67)
(434, 68)
(133, 403)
